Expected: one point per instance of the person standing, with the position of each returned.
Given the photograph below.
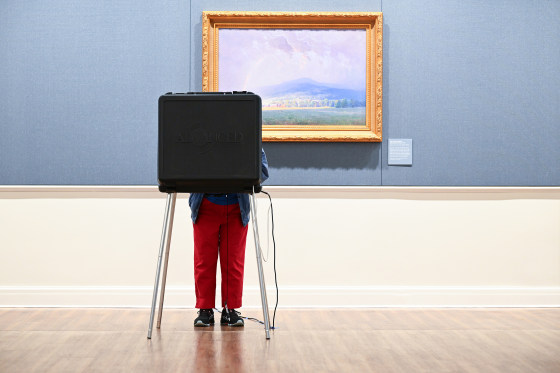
(220, 224)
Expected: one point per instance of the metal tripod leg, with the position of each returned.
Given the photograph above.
(260, 267)
(165, 242)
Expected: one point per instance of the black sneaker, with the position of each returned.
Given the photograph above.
(232, 318)
(205, 317)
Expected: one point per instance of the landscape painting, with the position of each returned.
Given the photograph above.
(305, 77)
(319, 74)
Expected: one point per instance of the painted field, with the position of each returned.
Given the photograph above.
(321, 116)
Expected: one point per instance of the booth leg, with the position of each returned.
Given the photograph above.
(165, 242)
(260, 268)
(168, 245)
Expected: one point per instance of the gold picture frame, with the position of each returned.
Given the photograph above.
(240, 32)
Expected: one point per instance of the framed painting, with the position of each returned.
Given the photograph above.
(319, 75)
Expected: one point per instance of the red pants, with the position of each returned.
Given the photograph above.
(219, 230)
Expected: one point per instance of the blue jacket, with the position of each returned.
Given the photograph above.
(195, 199)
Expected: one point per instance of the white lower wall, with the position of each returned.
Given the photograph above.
(336, 247)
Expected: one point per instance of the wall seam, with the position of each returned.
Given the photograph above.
(382, 141)
(190, 87)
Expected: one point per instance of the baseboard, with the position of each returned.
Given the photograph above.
(290, 296)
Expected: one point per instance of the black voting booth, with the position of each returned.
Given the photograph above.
(208, 142)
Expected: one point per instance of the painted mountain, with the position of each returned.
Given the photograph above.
(309, 93)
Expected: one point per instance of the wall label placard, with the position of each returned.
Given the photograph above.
(400, 152)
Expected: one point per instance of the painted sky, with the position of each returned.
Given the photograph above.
(253, 58)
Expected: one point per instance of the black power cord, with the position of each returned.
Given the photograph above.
(274, 252)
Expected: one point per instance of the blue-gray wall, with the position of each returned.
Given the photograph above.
(475, 84)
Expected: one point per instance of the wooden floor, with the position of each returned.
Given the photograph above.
(367, 340)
